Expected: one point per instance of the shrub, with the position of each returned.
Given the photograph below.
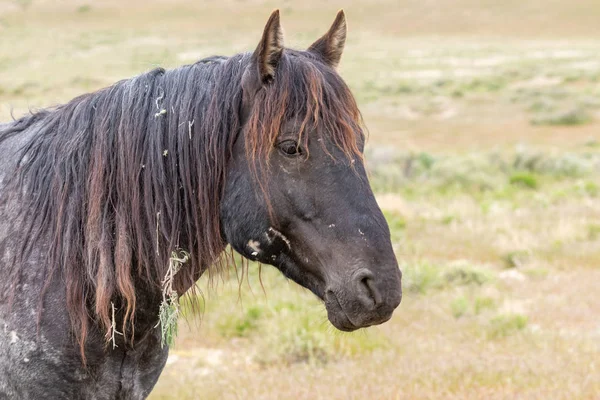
(396, 222)
(483, 303)
(465, 274)
(505, 325)
(459, 306)
(516, 259)
(590, 189)
(593, 231)
(421, 277)
(85, 8)
(576, 116)
(306, 337)
(524, 179)
(240, 324)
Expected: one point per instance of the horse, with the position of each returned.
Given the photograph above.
(260, 152)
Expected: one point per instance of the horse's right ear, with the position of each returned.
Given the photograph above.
(269, 50)
(331, 45)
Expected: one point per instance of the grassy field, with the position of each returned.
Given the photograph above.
(484, 152)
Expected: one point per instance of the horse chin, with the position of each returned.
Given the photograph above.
(336, 314)
(342, 322)
(349, 311)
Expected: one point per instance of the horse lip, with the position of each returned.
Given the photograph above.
(346, 328)
(346, 325)
(342, 320)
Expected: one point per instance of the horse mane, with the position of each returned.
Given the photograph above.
(116, 180)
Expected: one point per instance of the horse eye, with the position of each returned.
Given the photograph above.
(290, 148)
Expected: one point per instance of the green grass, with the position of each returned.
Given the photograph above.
(523, 179)
(483, 174)
(589, 188)
(241, 324)
(516, 258)
(565, 118)
(86, 8)
(307, 338)
(474, 304)
(505, 325)
(536, 273)
(397, 224)
(463, 274)
(423, 276)
(459, 306)
(593, 231)
(448, 219)
(482, 304)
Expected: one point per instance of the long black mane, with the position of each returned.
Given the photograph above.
(143, 159)
(116, 180)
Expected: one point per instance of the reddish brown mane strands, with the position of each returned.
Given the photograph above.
(119, 178)
(312, 92)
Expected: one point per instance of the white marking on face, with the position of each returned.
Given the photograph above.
(254, 245)
(281, 236)
(361, 232)
(332, 226)
(13, 337)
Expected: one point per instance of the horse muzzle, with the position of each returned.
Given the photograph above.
(366, 299)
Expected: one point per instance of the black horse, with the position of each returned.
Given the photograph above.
(261, 151)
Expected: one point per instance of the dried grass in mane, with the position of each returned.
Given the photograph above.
(115, 180)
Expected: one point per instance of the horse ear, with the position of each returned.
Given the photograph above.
(269, 50)
(331, 45)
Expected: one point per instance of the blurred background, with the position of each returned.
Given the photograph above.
(484, 153)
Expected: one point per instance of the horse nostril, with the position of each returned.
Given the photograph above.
(367, 286)
(375, 295)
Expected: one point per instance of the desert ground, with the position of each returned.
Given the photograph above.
(483, 151)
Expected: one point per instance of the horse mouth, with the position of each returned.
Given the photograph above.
(336, 314)
(347, 321)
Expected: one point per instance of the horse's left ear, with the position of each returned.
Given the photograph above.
(331, 45)
(265, 60)
(269, 50)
